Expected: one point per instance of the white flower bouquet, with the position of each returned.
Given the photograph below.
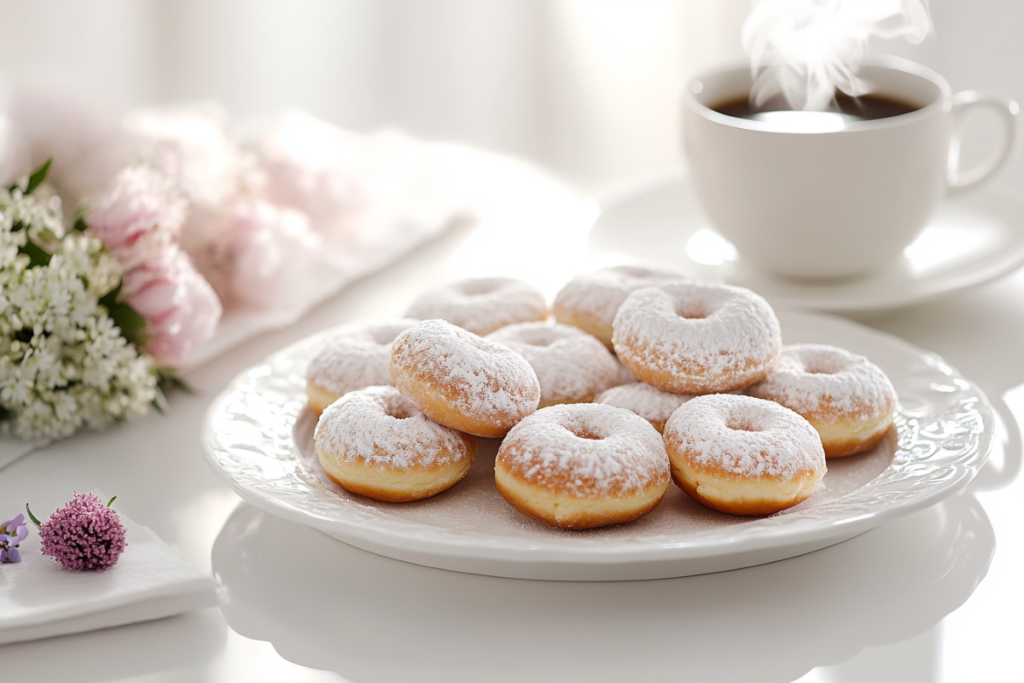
(69, 353)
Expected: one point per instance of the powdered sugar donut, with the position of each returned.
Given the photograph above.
(697, 338)
(743, 455)
(591, 301)
(481, 305)
(571, 365)
(376, 443)
(846, 397)
(650, 403)
(355, 357)
(582, 465)
(463, 381)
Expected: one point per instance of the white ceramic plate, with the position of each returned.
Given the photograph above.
(258, 434)
(971, 240)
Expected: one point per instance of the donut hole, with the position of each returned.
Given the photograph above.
(404, 414)
(583, 432)
(822, 366)
(539, 337)
(400, 408)
(691, 310)
(637, 272)
(479, 287)
(820, 361)
(741, 426)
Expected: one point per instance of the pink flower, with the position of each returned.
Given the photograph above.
(138, 218)
(140, 202)
(271, 249)
(84, 534)
(189, 145)
(179, 304)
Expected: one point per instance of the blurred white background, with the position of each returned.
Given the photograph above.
(586, 88)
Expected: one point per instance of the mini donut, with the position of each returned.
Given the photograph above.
(582, 465)
(697, 338)
(743, 455)
(846, 397)
(463, 381)
(590, 301)
(571, 365)
(375, 442)
(650, 403)
(481, 305)
(356, 356)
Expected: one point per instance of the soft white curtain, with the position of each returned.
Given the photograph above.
(588, 88)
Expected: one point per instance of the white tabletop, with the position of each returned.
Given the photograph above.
(931, 597)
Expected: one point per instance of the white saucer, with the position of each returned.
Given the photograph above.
(970, 241)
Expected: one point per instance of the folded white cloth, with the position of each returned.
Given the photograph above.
(39, 598)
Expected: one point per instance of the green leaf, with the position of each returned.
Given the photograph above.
(133, 326)
(111, 501)
(36, 254)
(38, 177)
(166, 383)
(32, 517)
(160, 401)
(80, 225)
(170, 382)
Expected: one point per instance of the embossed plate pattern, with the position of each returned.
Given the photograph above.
(257, 438)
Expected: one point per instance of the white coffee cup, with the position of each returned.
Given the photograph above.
(833, 198)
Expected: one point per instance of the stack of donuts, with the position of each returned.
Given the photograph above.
(643, 377)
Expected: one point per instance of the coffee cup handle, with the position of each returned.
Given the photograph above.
(961, 103)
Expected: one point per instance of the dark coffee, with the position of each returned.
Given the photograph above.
(863, 108)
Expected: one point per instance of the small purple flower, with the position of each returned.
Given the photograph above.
(12, 532)
(84, 534)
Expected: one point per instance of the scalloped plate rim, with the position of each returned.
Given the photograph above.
(449, 550)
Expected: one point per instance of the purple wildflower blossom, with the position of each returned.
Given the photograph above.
(84, 534)
(12, 532)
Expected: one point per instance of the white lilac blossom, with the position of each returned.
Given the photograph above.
(64, 362)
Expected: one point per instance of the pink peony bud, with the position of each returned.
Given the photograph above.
(140, 200)
(182, 310)
(138, 218)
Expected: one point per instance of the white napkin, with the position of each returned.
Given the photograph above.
(40, 599)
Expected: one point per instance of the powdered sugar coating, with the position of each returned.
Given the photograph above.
(380, 427)
(650, 403)
(585, 450)
(477, 376)
(826, 382)
(745, 437)
(571, 365)
(481, 305)
(598, 295)
(625, 376)
(356, 356)
(701, 337)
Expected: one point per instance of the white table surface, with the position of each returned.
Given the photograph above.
(935, 596)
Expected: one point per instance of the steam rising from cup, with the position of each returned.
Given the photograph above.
(806, 50)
